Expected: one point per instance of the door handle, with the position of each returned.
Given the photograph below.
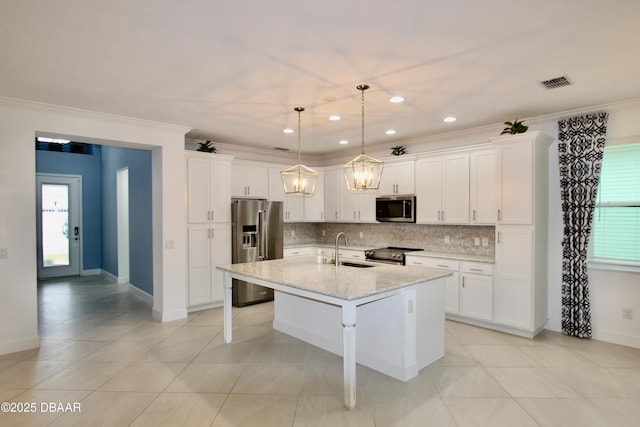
(76, 232)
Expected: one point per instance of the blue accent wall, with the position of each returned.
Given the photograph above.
(140, 215)
(87, 166)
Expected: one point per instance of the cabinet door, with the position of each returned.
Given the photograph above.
(483, 187)
(198, 190)
(349, 205)
(428, 190)
(199, 260)
(388, 181)
(455, 189)
(257, 181)
(514, 275)
(515, 183)
(292, 207)
(366, 207)
(452, 294)
(220, 192)
(405, 178)
(477, 296)
(220, 244)
(332, 180)
(314, 205)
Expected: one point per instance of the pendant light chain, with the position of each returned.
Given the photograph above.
(362, 88)
(299, 110)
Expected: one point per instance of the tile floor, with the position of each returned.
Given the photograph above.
(101, 348)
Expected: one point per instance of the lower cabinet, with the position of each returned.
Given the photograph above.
(452, 283)
(209, 245)
(476, 292)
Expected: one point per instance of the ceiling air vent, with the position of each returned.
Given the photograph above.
(556, 83)
(281, 149)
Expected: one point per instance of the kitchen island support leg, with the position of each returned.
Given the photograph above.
(227, 308)
(349, 354)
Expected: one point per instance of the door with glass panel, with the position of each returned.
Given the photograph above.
(58, 225)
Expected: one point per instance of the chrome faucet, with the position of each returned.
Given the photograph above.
(337, 246)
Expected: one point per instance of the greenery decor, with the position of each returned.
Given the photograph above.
(514, 127)
(206, 147)
(398, 150)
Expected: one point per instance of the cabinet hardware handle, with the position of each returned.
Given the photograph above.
(443, 215)
(499, 240)
(463, 282)
(475, 269)
(213, 233)
(416, 263)
(474, 214)
(499, 214)
(444, 266)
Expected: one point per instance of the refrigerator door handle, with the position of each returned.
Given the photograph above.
(261, 236)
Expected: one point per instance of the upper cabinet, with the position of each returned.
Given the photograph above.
(314, 204)
(482, 186)
(397, 179)
(249, 180)
(442, 189)
(208, 197)
(521, 175)
(297, 208)
(332, 181)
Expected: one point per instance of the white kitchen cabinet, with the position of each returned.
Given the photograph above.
(292, 206)
(208, 245)
(356, 206)
(521, 178)
(476, 292)
(351, 254)
(332, 181)
(397, 178)
(249, 180)
(522, 232)
(298, 251)
(514, 276)
(442, 189)
(208, 195)
(482, 182)
(314, 204)
(452, 283)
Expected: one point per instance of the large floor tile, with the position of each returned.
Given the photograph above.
(501, 355)
(532, 383)
(493, 412)
(465, 382)
(329, 411)
(144, 376)
(249, 410)
(83, 376)
(28, 373)
(181, 409)
(270, 379)
(206, 378)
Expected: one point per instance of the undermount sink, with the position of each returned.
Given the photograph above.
(355, 264)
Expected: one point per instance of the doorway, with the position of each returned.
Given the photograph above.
(58, 201)
(122, 213)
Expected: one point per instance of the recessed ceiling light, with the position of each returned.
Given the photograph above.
(396, 99)
(449, 119)
(391, 132)
(287, 130)
(343, 142)
(334, 118)
(329, 98)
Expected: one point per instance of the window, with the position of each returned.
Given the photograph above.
(616, 220)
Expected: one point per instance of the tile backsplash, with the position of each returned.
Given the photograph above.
(428, 237)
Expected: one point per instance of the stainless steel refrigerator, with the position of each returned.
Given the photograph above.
(256, 236)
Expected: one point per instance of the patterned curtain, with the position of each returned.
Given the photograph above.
(580, 148)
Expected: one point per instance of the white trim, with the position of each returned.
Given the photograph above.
(599, 264)
(13, 346)
(91, 272)
(164, 316)
(616, 338)
(139, 293)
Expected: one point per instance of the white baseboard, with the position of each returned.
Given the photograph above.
(122, 280)
(144, 296)
(91, 272)
(164, 316)
(616, 338)
(21, 344)
(109, 276)
(207, 306)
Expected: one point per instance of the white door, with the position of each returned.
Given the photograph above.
(58, 225)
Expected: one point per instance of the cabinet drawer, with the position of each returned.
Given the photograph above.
(477, 268)
(352, 254)
(291, 252)
(439, 263)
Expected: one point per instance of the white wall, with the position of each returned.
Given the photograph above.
(20, 122)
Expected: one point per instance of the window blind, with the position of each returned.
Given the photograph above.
(616, 220)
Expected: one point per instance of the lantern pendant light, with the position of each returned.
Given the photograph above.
(299, 179)
(363, 172)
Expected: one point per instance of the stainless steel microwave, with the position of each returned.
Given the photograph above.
(396, 209)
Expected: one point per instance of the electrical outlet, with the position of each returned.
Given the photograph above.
(361, 234)
(627, 314)
(476, 241)
(324, 233)
(446, 239)
(169, 244)
(4, 253)
(293, 233)
(485, 241)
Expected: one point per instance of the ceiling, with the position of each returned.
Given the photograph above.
(233, 71)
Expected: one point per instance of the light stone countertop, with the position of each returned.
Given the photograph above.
(343, 282)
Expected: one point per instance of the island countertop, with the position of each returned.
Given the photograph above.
(343, 282)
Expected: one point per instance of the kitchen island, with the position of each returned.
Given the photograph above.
(399, 312)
